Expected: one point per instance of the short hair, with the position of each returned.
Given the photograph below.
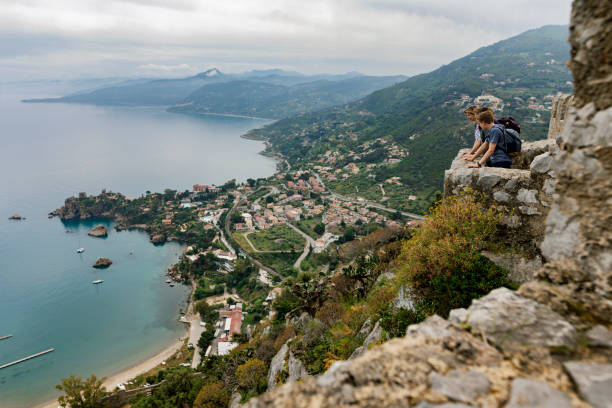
(486, 117)
(470, 109)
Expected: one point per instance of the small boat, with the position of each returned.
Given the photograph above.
(172, 285)
(168, 281)
(97, 281)
(80, 250)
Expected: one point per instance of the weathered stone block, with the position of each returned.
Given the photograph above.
(501, 196)
(594, 381)
(513, 321)
(460, 386)
(527, 196)
(599, 336)
(541, 164)
(487, 181)
(528, 393)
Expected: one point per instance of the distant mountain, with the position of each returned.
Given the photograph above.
(278, 96)
(423, 115)
(265, 93)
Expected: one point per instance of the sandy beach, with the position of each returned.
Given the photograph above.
(127, 374)
(131, 372)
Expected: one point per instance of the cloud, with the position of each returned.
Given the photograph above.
(114, 37)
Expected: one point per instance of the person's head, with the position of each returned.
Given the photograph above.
(486, 119)
(470, 112)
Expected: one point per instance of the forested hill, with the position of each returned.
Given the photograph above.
(271, 94)
(423, 115)
(267, 98)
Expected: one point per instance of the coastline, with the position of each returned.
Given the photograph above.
(142, 366)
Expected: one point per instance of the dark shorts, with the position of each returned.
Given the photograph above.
(502, 164)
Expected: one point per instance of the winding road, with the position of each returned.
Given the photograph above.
(309, 244)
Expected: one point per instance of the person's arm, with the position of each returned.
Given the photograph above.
(486, 156)
(483, 148)
(474, 148)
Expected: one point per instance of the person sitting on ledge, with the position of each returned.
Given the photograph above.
(494, 153)
(471, 113)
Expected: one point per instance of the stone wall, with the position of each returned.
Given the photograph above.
(577, 280)
(524, 193)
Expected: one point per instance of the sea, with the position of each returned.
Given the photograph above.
(51, 151)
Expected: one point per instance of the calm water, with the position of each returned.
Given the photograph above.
(51, 151)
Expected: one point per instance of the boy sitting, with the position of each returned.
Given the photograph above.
(493, 148)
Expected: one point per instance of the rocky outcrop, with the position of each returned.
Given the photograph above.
(436, 362)
(373, 336)
(158, 238)
(513, 322)
(102, 263)
(285, 368)
(99, 231)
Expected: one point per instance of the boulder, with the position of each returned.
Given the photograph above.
(599, 336)
(460, 386)
(513, 321)
(528, 393)
(594, 381)
(99, 231)
(102, 263)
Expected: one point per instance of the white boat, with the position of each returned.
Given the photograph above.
(80, 250)
(97, 281)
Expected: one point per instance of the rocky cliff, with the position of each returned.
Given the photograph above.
(549, 344)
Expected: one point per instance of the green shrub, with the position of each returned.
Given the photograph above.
(442, 261)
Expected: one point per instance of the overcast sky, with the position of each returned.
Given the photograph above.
(103, 38)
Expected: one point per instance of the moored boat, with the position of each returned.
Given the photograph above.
(97, 281)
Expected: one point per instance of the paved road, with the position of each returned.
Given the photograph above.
(309, 244)
(229, 234)
(195, 330)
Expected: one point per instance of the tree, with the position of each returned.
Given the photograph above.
(212, 396)
(251, 182)
(363, 271)
(81, 394)
(319, 228)
(251, 374)
(310, 291)
(205, 339)
(207, 313)
(349, 234)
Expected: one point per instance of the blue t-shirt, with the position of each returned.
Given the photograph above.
(499, 156)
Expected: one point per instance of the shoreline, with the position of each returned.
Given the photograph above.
(142, 366)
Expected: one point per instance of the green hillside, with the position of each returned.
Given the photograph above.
(423, 118)
(270, 97)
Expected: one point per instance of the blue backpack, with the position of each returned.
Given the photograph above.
(512, 140)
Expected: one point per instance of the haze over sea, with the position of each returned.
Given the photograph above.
(51, 151)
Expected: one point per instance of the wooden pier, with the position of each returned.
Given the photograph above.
(26, 358)
(6, 337)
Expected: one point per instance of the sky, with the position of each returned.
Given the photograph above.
(70, 39)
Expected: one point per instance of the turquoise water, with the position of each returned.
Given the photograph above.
(51, 151)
